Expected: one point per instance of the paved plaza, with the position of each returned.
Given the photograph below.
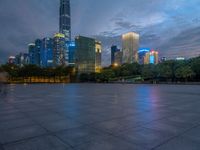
(99, 117)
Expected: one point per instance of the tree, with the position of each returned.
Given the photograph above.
(184, 72)
(148, 71)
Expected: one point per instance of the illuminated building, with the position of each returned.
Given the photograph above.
(31, 52)
(98, 51)
(71, 52)
(88, 55)
(65, 19)
(114, 49)
(130, 44)
(141, 54)
(46, 55)
(59, 50)
(38, 46)
(22, 59)
(180, 58)
(118, 58)
(11, 60)
(151, 57)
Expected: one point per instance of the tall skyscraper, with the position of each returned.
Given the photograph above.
(38, 46)
(130, 44)
(65, 19)
(71, 52)
(114, 49)
(31, 52)
(46, 55)
(59, 50)
(88, 55)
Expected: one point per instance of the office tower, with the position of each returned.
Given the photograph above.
(118, 59)
(151, 57)
(130, 44)
(22, 59)
(46, 56)
(65, 19)
(71, 49)
(59, 50)
(141, 54)
(98, 51)
(114, 49)
(38, 46)
(88, 55)
(31, 52)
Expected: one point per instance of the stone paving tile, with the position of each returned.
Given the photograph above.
(111, 143)
(179, 143)
(193, 134)
(40, 143)
(16, 134)
(59, 125)
(147, 138)
(15, 123)
(78, 136)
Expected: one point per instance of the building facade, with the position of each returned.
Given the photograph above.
(118, 59)
(130, 45)
(65, 19)
(141, 54)
(59, 50)
(71, 52)
(46, 56)
(38, 47)
(114, 49)
(151, 57)
(87, 55)
(31, 52)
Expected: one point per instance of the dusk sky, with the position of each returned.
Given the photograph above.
(170, 26)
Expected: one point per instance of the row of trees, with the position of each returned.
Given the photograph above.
(168, 71)
(35, 71)
(171, 70)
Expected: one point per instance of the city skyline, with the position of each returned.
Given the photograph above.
(152, 20)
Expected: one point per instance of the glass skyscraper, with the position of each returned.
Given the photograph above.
(87, 55)
(65, 19)
(46, 55)
(114, 50)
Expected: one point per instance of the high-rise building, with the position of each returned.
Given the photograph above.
(114, 49)
(38, 46)
(98, 51)
(88, 55)
(31, 52)
(46, 55)
(130, 44)
(151, 57)
(59, 50)
(65, 19)
(118, 58)
(22, 59)
(71, 49)
(141, 54)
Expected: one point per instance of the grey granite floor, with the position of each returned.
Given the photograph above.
(99, 117)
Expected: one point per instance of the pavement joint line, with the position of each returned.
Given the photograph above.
(174, 137)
